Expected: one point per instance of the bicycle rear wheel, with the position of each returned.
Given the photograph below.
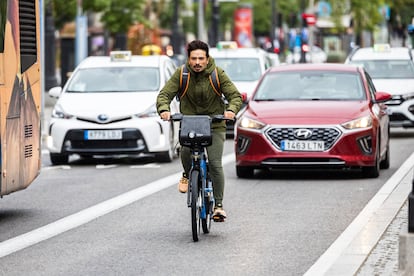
(195, 204)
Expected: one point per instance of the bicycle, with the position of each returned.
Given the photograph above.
(195, 133)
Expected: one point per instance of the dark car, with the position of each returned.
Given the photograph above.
(303, 116)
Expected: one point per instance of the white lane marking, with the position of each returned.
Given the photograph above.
(60, 167)
(100, 166)
(354, 239)
(82, 217)
(146, 166)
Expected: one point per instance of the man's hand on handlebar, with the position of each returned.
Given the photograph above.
(166, 115)
(229, 115)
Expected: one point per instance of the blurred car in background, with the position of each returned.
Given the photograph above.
(319, 116)
(107, 108)
(244, 66)
(392, 70)
(313, 54)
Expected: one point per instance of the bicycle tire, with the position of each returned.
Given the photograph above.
(195, 210)
(206, 223)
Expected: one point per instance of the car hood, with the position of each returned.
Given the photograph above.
(111, 104)
(306, 112)
(394, 86)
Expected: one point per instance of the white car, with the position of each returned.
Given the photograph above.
(107, 108)
(391, 70)
(244, 66)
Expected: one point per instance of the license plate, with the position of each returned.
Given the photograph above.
(103, 134)
(298, 145)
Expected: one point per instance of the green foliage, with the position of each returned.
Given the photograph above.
(117, 15)
(63, 11)
(121, 14)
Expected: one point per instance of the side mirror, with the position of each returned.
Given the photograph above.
(245, 98)
(55, 91)
(381, 97)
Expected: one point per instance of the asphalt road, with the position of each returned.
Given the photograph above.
(125, 217)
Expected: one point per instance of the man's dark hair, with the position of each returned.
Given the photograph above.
(197, 45)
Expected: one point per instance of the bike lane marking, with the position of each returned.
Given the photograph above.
(84, 216)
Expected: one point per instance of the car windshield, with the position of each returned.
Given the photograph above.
(240, 69)
(115, 79)
(388, 69)
(310, 85)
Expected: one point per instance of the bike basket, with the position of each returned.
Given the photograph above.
(195, 130)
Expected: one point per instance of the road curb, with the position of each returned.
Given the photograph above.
(347, 254)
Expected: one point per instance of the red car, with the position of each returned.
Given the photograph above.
(324, 116)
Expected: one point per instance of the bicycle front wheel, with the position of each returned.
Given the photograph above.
(195, 204)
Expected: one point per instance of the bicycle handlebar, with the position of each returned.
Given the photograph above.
(214, 118)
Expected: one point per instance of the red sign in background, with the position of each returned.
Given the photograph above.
(243, 26)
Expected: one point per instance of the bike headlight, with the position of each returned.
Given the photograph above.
(149, 112)
(362, 122)
(58, 112)
(246, 122)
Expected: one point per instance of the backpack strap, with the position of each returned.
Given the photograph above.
(215, 82)
(184, 82)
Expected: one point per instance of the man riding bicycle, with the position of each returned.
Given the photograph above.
(201, 99)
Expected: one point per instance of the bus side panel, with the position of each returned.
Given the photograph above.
(20, 98)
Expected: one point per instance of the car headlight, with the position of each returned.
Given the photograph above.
(58, 112)
(362, 122)
(246, 122)
(150, 112)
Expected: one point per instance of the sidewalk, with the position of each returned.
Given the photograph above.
(370, 244)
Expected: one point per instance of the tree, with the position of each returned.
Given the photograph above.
(117, 15)
(365, 15)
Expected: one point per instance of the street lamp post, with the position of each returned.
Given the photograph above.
(81, 45)
(201, 28)
(274, 20)
(216, 22)
(176, 37)
(411, 209)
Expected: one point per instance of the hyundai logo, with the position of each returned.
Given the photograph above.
(302, 133)
(102, 117)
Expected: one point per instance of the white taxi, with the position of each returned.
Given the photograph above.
(391, 70)
(244, 66)
(107, 108)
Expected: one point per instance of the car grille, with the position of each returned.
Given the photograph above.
(327, 135)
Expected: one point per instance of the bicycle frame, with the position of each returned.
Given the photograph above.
(200, 163)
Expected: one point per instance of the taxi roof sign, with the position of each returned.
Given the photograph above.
(382, 47)
(120, 55)
(227, 45)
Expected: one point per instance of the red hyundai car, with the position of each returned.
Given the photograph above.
(323, 116)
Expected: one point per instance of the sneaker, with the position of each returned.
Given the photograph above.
(183, 185)
(219, 215)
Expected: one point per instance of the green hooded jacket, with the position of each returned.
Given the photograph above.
(200, 98)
